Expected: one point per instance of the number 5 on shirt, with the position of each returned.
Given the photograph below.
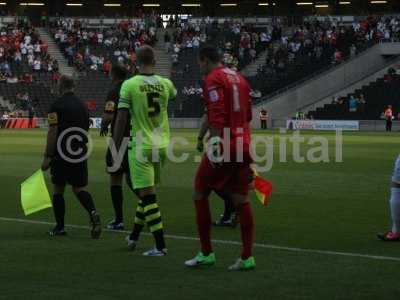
(153, 104)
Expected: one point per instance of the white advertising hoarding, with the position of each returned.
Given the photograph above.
(322, 125)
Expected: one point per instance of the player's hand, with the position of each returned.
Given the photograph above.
(200, 145)
(104, 131)
(46, 163)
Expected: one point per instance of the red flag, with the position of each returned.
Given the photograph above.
(263, 189)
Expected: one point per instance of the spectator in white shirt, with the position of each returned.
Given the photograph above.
(30, 48)
(176, 48)
(100, 38)
(37, 49)
(107, 42)
(37, 65)
(174, 58)
(27, 39)
(24, 49)
(189, 44)
(196, 42)
(31, 59)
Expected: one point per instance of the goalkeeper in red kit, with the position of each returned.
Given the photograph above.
(226, 165)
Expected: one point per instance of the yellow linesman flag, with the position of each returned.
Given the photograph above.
(34, 194)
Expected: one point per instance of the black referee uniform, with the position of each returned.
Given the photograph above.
(69, 166)
(67, 153)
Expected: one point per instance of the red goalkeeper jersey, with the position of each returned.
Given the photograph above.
(227, 98)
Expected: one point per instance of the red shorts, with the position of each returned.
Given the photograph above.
(230, 177)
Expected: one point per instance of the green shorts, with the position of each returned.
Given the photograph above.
(145, 167)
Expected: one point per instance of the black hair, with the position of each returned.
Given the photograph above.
(211, 53)
(119, 72)
(66, 83)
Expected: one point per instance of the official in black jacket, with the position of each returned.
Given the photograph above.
(66, 155)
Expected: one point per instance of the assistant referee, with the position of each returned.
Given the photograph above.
(66, 155)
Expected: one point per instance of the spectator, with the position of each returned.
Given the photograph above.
(174, 58)
(4, 118)
(27, 78)
(13, 79)
(37, 65)
(107, 67)
(389, 118)
(353, 104)
(361, 103)
(263, 118)
(167, 41)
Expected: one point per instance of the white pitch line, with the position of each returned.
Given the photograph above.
(225, 242)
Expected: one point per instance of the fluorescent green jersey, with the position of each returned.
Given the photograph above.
(147, 96)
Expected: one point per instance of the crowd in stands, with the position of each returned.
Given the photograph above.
(25, 67)
(97, 48)
(291, 53)
(317, 45)
(239, 43)
(192, 90)
(22, 106)
(22, 54)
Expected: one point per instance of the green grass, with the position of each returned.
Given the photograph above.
(326, 206)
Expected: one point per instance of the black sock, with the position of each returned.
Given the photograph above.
(59, 210)
(87, 202)
(117, 198)
(159, 238)
(137, 229)
(228, 206)
(153, 219)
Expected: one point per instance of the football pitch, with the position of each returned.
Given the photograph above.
(316, 240)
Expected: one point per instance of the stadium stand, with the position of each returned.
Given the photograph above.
(317, 46)
(291, 54)
(240, 44)
(366, 103)
(283, 55)
(24, 67)
(92, 48)
(89, 47)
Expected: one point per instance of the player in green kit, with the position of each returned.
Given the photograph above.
(145, 96)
